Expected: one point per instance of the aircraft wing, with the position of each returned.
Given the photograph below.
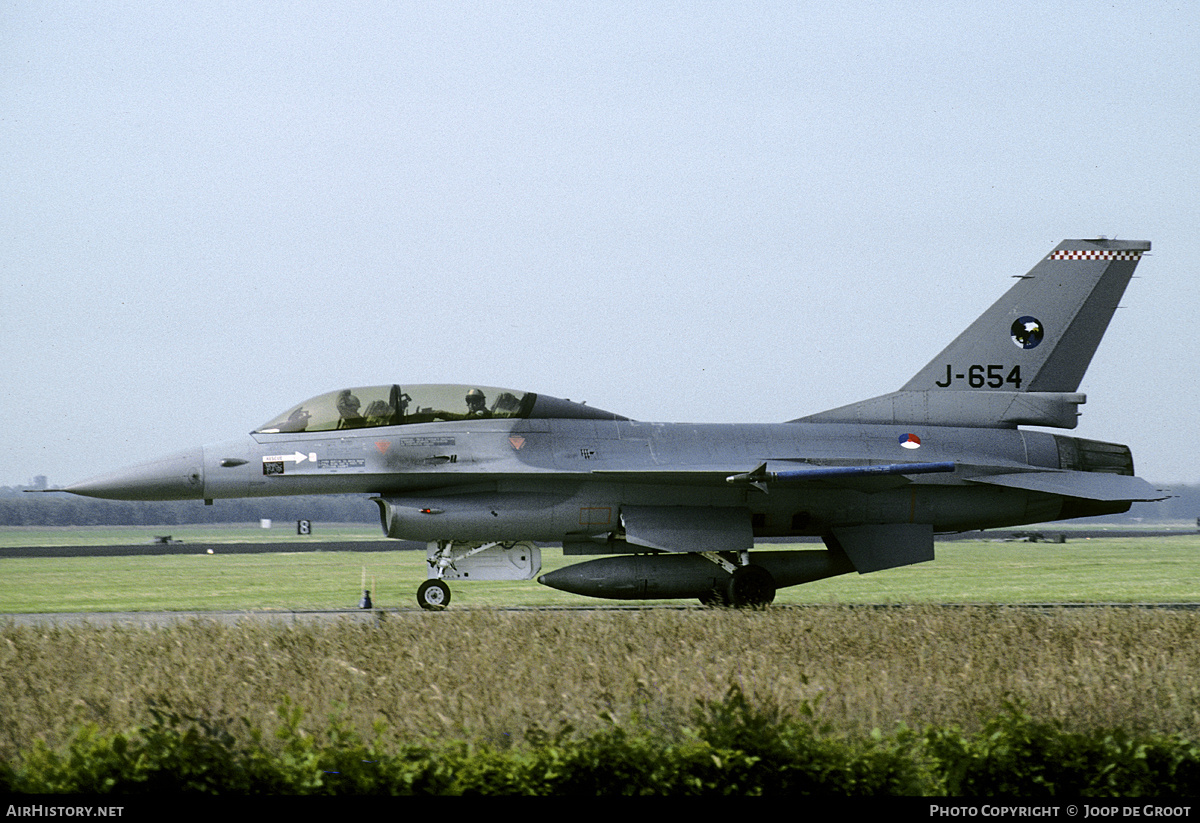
(867, 478)
(698, 528)
(1086, 485)
(694, 528)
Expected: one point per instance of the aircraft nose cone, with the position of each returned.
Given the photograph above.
(175, 477)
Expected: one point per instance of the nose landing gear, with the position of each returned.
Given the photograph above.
(493, 560)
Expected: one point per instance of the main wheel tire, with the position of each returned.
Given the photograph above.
(433, 595)
(751, 587)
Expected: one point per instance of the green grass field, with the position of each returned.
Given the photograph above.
(1118, 570)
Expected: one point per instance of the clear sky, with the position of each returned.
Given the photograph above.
(710, 211)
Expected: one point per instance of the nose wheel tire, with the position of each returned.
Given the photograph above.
(433, 595)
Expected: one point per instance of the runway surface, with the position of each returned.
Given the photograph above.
(151, 549)
(375, 616)
(1048, 535)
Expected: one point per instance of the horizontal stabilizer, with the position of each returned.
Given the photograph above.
(1086, 485)
(885, 546)
(688, 528)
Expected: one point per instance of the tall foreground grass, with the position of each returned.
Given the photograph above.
(504, 678)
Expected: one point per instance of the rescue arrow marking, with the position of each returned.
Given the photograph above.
(297, 457)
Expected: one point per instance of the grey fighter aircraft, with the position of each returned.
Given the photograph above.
(480, 473)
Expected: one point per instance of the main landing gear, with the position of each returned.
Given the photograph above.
(751, 586)
(748, 586)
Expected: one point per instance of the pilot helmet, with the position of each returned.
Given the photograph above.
(347, 404)
(476, 398)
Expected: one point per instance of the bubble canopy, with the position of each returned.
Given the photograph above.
(396, 405)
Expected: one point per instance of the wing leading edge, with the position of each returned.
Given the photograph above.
(867, 478)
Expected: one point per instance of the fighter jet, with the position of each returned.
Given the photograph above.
(484, 474)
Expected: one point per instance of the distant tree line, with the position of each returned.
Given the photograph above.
(18, 509)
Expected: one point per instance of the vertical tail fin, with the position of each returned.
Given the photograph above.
(1022, 361)
(1041, 335)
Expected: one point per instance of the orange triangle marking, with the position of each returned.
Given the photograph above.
(382, 445)
(517, 441)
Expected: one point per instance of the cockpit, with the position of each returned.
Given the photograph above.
(372, 406)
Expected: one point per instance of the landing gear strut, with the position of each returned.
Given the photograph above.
(434, 594)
